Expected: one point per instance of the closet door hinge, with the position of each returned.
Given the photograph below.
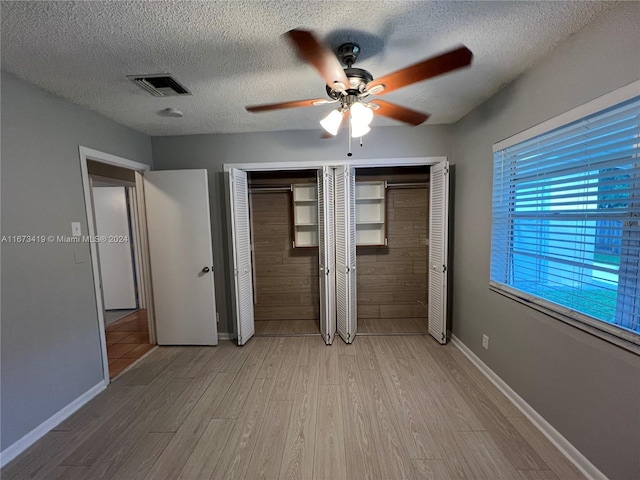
(445, 170)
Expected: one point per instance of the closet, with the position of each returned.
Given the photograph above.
(363, 250)
(392, 232)
(283, 212)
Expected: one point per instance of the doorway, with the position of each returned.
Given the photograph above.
(169, 213)
(126, 323)
(115, 206)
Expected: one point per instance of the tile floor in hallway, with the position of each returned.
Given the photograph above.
(127, 341)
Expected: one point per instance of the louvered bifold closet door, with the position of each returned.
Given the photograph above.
(438, 237)
(345, 253)
(326, 243)
(241, 233)
(351, 246)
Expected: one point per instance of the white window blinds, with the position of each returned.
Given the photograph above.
(566, 212)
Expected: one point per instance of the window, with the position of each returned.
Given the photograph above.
(566, 213)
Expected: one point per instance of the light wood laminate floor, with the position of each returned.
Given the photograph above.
(291, 407)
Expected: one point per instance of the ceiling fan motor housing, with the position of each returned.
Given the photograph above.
(348, 53)
(358, 80)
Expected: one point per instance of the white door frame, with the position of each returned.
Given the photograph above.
(144, 277)
(315, 165)
(311, 165)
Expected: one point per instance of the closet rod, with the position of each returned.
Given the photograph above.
(269, 189)
(408, 184)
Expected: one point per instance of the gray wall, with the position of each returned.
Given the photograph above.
(586, 388)
(212, 151)
(50, 347)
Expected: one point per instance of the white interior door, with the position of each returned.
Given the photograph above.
(438, 251)
(345, 248)
(116, 261)
(241, 241)
(179, 231)
(326, 243)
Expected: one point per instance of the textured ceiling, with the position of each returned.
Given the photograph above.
(230, 54)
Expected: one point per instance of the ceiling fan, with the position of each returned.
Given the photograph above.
(350, 87)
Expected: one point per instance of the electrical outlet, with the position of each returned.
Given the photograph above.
(485, 342)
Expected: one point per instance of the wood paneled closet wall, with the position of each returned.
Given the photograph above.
(285, 278)
(392, 280)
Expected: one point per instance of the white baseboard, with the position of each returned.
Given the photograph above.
(12, 451)
(226, 336)
(581, 462)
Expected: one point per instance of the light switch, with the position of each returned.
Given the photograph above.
(75, 229)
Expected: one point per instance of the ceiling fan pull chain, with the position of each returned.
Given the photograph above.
(349, 152)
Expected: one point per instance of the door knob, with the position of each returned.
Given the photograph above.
(205, 270)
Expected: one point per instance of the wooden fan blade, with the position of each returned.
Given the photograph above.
(397, 112)
(432, 67)
(279, 106)
(318, 56)
(326, 134)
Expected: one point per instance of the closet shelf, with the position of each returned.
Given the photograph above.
(371, 213)
(305, 214)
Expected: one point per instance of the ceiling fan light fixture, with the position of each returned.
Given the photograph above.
(331, 123)
(361, 114)
(359, 129)
(361, 117)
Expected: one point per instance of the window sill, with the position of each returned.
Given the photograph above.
(604, 331)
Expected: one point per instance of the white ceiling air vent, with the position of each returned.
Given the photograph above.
(159, 84)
